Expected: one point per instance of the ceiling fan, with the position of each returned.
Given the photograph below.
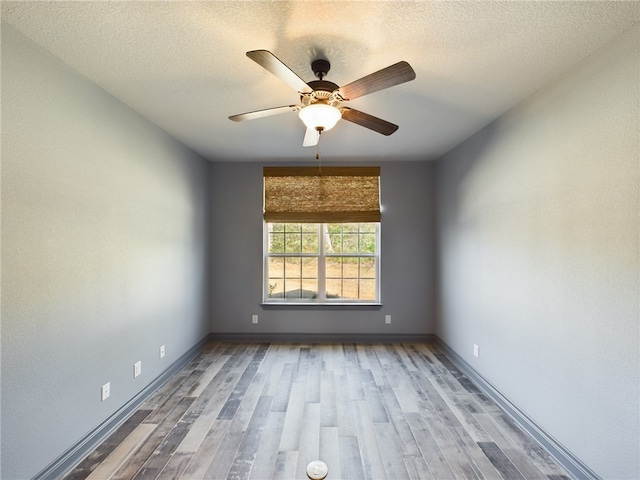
(322, 101)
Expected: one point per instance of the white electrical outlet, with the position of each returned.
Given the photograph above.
(476, 351)
(137, 369)
(254, 318)
(105, 391)
(161, 351)
(387, 319)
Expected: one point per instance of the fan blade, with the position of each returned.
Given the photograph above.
(396, 74)
(264, 113)
(269, 61)
(311, 138)
(368, 121)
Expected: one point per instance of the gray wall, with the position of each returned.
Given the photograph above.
(539, 257)
(407, 258)
(105, 228)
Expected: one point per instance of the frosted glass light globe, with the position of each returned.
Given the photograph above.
(320, 116)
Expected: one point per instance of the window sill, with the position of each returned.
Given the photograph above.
(320, 304)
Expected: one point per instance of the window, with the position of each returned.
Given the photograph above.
(322, 263)
(321, 235)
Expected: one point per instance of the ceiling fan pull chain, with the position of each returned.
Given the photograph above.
(318, 152)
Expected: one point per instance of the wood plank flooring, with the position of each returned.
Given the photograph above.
(369, 411)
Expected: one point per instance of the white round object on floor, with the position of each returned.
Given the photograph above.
(317, 470)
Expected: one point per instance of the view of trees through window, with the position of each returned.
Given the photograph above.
(322, 261)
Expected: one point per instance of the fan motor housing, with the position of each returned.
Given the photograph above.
(323, 86)
(322, 92)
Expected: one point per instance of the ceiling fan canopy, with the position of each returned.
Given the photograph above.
(321, 102)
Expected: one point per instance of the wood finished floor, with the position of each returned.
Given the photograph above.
(369, 411)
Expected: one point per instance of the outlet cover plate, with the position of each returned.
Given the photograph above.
(105, 391)
(137, 369)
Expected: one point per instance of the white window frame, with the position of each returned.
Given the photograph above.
(322, 255)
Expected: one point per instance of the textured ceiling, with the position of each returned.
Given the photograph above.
(183, 65)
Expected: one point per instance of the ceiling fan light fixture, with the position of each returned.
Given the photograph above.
(320, 116)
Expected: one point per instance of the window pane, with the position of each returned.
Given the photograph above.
(350, 243)
(293, 243)
(334, 228)
(310, 227)
(368, 289)
(292, 288)
(292, 268)
(310, 242)
(349, 268)
(275, 288)
(310, 288)
(276, 227)
(292, 227)
(367, 268)
(367, 243)
(333, 267)
(276, 243)
(350, 228)
(276, 267)
(310, 268)
(350, 289)
(334, 288)
(333, 243)
(367, 227)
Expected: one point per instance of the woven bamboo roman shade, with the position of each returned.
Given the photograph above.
(322, 195)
